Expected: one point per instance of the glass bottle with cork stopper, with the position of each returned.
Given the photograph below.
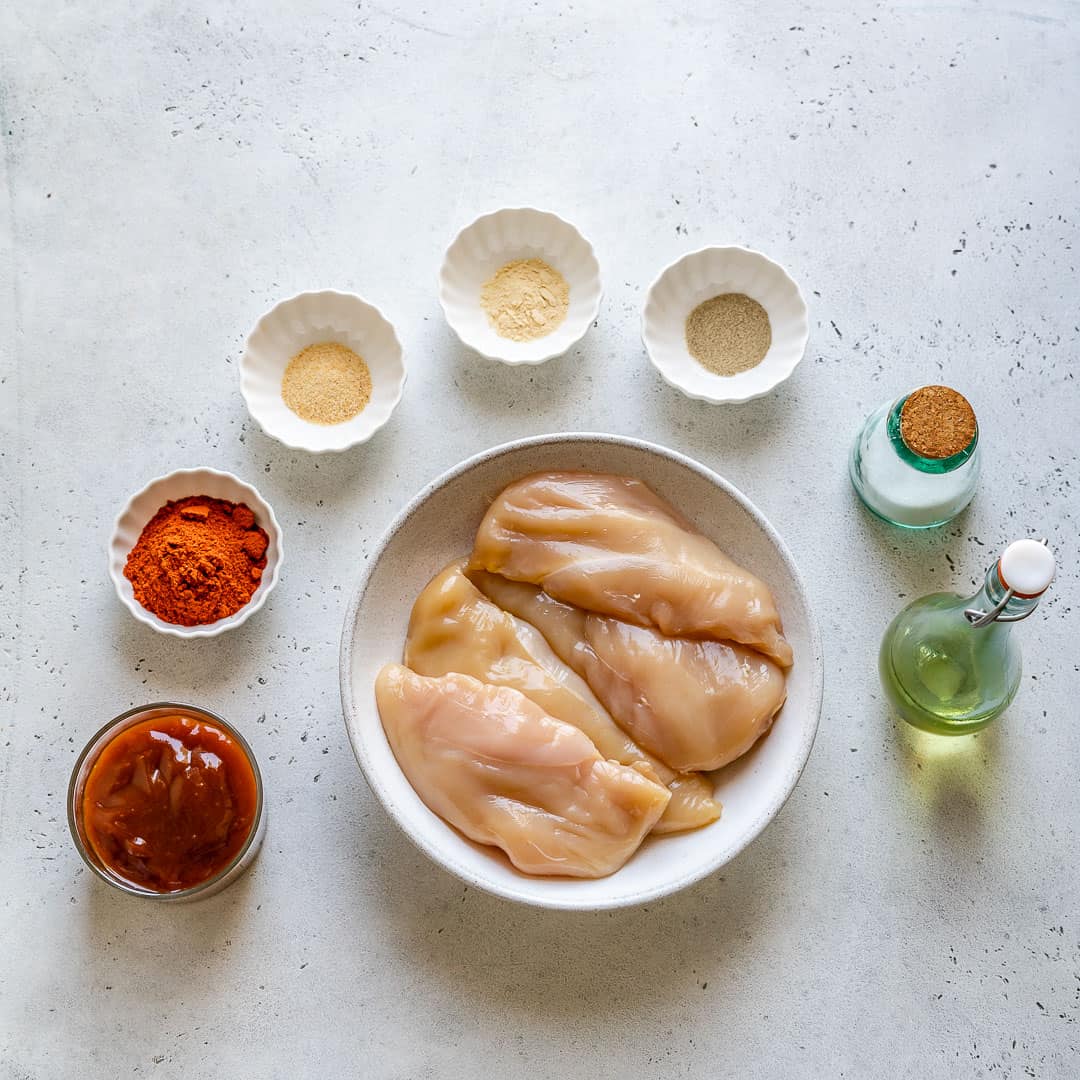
(915, 462)
(949, 664)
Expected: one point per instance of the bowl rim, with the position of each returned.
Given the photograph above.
(431, 850)
(245, 366)
(725, 398)
(502, 359)
(203, 630)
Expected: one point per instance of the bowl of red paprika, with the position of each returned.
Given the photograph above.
(195, 553)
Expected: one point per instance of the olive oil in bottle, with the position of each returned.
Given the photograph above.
(949, 664)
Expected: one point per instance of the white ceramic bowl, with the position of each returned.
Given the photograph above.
(438, 525)
(492, 241)
(309, 319)
(178, 485)
(701, 275)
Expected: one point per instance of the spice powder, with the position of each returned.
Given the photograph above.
(728, 333)
(197, 560)
(525, 299)
(326, 384)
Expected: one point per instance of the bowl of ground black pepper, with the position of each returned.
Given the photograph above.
(725, 324)
(195, 553)
(322, 371)
(520, 286)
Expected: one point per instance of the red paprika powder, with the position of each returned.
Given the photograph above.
(198, 560)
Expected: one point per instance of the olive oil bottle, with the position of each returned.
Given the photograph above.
(950, 664)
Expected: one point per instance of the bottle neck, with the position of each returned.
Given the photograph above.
(924, 464)
(993, 592)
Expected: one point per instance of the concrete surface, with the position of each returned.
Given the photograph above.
(171, 170)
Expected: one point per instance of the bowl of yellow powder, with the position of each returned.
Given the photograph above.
(322, 371)
(520, 285)
(725, 324)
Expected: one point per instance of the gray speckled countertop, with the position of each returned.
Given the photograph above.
(170, 170)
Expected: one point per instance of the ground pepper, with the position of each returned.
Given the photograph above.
(728, 334)
(198, 560)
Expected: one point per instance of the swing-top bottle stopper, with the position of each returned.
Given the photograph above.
(1025, 570)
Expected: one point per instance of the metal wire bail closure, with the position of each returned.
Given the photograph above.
(979, 618)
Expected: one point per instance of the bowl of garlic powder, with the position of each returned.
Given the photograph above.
(520, 286)
(724, 324)
(322, 371)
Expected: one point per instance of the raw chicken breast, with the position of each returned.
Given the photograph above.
(693, 804)
(454, 627)
(693, 704)
(504, 772)
(562, 625)
(610, 545)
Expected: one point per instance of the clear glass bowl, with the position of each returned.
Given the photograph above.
(228, 874)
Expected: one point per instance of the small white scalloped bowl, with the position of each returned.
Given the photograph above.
(494, 240)
(310, 319)
(143, 505)
(697, 277)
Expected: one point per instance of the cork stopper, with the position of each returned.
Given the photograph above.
(937, 422)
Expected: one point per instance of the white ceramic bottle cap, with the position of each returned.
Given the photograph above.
(1027, 567)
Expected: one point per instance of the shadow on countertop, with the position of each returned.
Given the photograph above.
(953, 783)
(569, 967)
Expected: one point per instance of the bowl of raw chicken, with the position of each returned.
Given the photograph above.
(580, 671)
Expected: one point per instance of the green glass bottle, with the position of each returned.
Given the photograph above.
(949, 664)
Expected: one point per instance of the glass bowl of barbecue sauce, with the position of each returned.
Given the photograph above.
(166, 802)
